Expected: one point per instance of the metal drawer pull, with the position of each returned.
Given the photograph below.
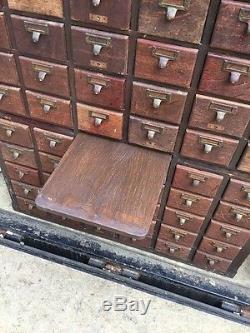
(47, 106)
(41, 72)
(178, 237)
(183, 219)
(151, 131)
(209, 144)
(236, 70)
(3, 93)
(172, 8)
(151, 134)
(97, 49)
(96, 3)
(98, 84)
(98, 43)
(235, 77)
(239, 214)
(26, 191)
(188, 201)
(173, 250)
(218, 247)
(37, 30)
(158, 97)
(244, 16)
(247, 190)
(211, 262)
(52, 144)
(222, 110)
(16, 154)
(228, 233)
(9, 132)
(197, 179)
(30, 206)
(164, 56)
(98, 118)
(163, 62)
(21, 174)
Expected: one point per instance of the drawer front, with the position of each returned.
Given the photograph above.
(228, 233)
(231, 29)
(23, 174)
(50, 8)
(11, 100)
(177, 236)
(24, 190)
(52, 143)
(45, 76)
(189, 202)
(101, 90)
(152, 134)
(165, 63)
(140, 243)
(19, 155)
(100, 50)
(46, 176)
(172, 250)
(158, 103)
(29, 207)
(196, 181)
(226, 76)
(8, 73)
(220, 116)
(49, 162)
(39, 37)
(211, 262)
(181, 20)
(15, 133)
(238, 192)
(236, 215)
(182, 220)
(4, 39)
(100, 121)
(208, 147)
(244, 164)
(112, 13)
(50, 109)
(219, 249)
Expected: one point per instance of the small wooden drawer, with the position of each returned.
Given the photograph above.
(140, 243)
(50, 8)
(183, 220)
(100, 121)
(39, 37)
(172, 250)
(238, 192)
(11, 100)
(165, 63)
(226, 76)
(29, 207)
(196, 181)
(189, 202)
(219, 249)
(152, 134)
(236, 215)
(244, 164)
(23, 174)
(158, 103)
(175, 19)
(4, 37)
(177, 236)
(24, 190)
(45, 76)
(232, 27)
(51, 142)
(100, 50)
(15, 133)
(211, 262)
(46, 176)
(50, 109)
(49, 162)
(101, 90)
(219, 115)
(19, 155)
(228, 233)
(112, 13)
(8, 73)
(208, 147)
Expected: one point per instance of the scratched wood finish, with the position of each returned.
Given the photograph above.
(18, 155)
(48, 162)
(244, 164)
(23, 174)
(203, 259)
(121, 195)
(15, 133)
(237, 192)
(12, 101)
(8, 73)
(4, 39)
(24, 190)
(168, 234)
(172, 250)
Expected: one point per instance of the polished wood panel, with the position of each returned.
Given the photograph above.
(23, 174)
(15, 133)
(11, 100)
(4, 37)
(18, 155)
(8, 73)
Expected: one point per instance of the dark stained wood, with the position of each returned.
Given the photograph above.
(23, 174)
(18, 155)
(29, 207)
(46, 176)
(237, 192)
(49, 162)
(12, 101)
(244, 164)
(172, 250)
(4, 38)
(15, 133)
(211, 262)
(108, 184)
(177, 236)
(24, 190)
(8, 73)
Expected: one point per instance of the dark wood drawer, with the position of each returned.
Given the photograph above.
(165, 63)
(182, 220)
(211, 262)
(231, 29)
(172, 250)
(219, 115)
(181, 20)
(39, 37)
(51, 142)
(15, 133)
(101, 90)
(29, 207)
(228, 233)
(8, 73)
(112, 13)
(100, 121)
(19, 155)
(177, 236)
(4, 38)
(195, 204)
(100, 50)
(244, 164)
(152, 134)
(140, 243)
(24, 190)
(50, 109)
(219, 249)
(50, 8)
(11, 100)
(208, 147)
(46, 176)
(158, 103)
(196, 181)
(23, 174)
(236, 215)
(238, 192)
(226, 76)
(49, 162)
(45, 76)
